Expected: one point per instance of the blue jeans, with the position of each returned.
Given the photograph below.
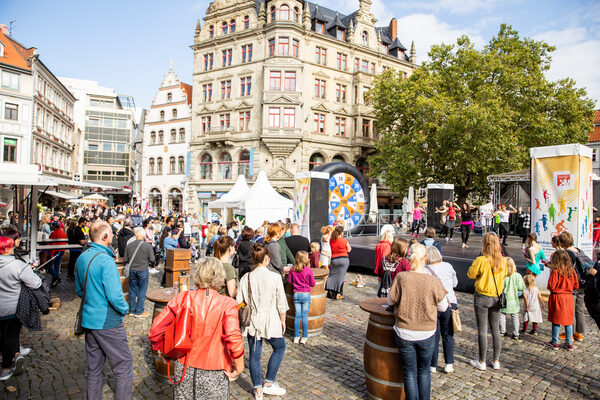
(203, 243)
(278, 345)
(568, 333)
(138, 284)
(416, 361)
(445, 330)
(54, 266)
(301, 304)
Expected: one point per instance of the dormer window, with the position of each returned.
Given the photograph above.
(320, 27)
(284, 12)
(365, 38)
(296, 14)
(273, 14)
(340, 34)
(1, 49)
(224, 28)
(211, 31)
(169, 97)
(232, 26)
(246, 22)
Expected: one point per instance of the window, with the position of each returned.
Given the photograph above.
(373, 68)
(106, 146)
(295, 47)
(246, 22)
(247, 53)
(284, 46)
(211, 31)
(161, 139)
(386, 49)
(206, 124)
(170, 96)
(244, 163)
(162, 116)
(363, 166)
(151, 166)
(366, 127)
(356, 64)
(271, 47)
(340, 93)
(181, 135)
(315, 160)
(594, 154)
(321, 56)
(225, 90)
(340, 34)
(272, 13)
(289, 118)
(180, 165)
(207, 92)
(274, 114)
(227, 57)
(1, 49)
(11, 111)
(296, 14)
(224, 166)
(173, 136)
(91, 121)
(245, 86)
(224, 28)
(340, 126)
(225, 121)
(153, 137)
(244, 121)
(120, 147)
(289, 81)
(10, 80)
(232, 26)
(364, 66)
(174, 113)
(275, 80)
(342, 61)
(320, 27)
(10, 150)
(172, 165)
(206, 167)
(319, 125)
(365, 93)
(365, 38)
(159, 166)
(284, 12)
(320, 88)
(208, 61)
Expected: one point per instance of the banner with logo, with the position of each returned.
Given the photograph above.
(301, 202)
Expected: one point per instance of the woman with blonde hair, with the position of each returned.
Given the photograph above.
(217, 344)
(489, 271)
(383, 248)
(274, 233)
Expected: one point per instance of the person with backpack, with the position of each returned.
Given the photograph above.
(396, 261)
(582, 264)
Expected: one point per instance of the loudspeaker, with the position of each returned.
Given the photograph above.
(436, 194)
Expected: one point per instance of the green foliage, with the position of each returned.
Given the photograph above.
(469, 113)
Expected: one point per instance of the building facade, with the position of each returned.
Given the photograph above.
(108, 128)
(594, 143)
(165, 155)
(279, 86)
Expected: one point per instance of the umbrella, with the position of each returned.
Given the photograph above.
(374, 207)
(81, 201)
(409, 206)
(95, 197)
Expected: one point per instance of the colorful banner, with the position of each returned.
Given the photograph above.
(301, 202)
(561, 195)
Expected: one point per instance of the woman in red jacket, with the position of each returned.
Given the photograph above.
(217, 344)
(54, 265)
(382, 250)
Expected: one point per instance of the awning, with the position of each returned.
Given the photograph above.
(60, 195)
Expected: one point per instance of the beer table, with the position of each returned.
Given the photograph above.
(160, 298)
(381, 357)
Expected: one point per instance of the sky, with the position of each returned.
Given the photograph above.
(127, 44)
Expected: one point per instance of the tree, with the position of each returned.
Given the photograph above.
(467, 114)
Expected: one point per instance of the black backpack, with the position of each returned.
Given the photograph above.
(582, 264)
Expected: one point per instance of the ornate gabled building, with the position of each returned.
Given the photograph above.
(279, 86)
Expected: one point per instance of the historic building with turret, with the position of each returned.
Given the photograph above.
(279, 86)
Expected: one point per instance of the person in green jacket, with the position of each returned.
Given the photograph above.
(287, 258)
(513, 283)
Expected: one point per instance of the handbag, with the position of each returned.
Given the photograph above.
(178, 337)
(245, 310)
(456, 322)
(78, 330)
(501, 296)
(128, 266)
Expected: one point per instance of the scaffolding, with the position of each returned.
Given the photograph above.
(511, 188)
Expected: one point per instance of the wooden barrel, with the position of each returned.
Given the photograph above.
(160, 298)
(316, 312)
(383, 368)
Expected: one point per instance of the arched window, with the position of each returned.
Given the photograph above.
(232, 26)
(315, 160)
(174, 113)
(155, 199)
(224, 166)
(206, 164)
(244, 163)
(180, 165)
(171, 165)
(284, 12)
(153, 137)
(169, 96)
(246, 22)
(159, 166)
(161, 137)
(182, 135)
(173, 136)
(211, 31)
(296, 14)
(162, 115)
(151, 166)
(224, 28)
(363, 166)
(338, 158)
(272, 13)
(175, 198)
(365, 38)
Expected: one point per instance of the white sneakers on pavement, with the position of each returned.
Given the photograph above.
(449, 368)
(297, 340)
(479, 365)
(304, 340)
(274, 390)
(23, 351)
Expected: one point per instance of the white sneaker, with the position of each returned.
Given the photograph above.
(447, 239)
(433, 370)
(496, 365)
(479, 365)
(153, 271)
(297, 340)
(258, 396)
(449, 369)
(304, 340)
(24, 351)
(274, 390)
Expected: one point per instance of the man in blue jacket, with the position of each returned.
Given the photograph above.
(102, 316)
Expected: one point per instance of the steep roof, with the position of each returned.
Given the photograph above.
(14, 53)
(188, 92)
(595, 133)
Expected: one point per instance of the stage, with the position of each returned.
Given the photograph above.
(363, 254)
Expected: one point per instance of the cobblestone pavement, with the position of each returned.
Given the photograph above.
(330, 366)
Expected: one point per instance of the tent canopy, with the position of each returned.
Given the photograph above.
(237, 192)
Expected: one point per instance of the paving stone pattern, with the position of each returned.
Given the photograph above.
(329, 366)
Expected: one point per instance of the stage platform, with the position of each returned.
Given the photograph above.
(363, 254)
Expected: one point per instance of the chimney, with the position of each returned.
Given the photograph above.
(393, 28)
(4, 29)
